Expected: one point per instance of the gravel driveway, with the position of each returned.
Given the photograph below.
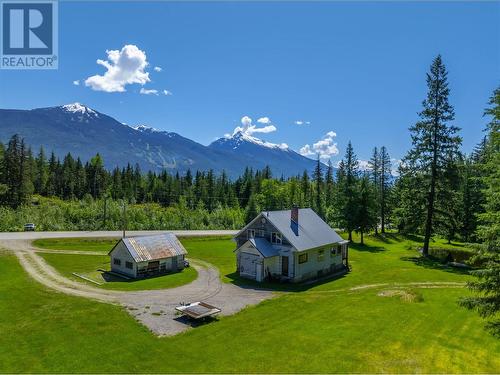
(153, 308)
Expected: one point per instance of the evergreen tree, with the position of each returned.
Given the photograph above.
(433, 139)
(16, 171)
(329, 184)
(487, 287)
(41, 175)
(374, 166)
(318, 183)
(366, 208)
(252, 209)
(385, 185)
(348, 191)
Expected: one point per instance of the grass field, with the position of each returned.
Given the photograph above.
(322, 328)
(88, 266)
(82, 244)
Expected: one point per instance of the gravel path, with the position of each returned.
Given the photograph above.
(153, 308)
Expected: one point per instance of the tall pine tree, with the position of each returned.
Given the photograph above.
(433, 140)
(487, 299)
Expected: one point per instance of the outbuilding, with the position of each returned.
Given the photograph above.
(144, 256)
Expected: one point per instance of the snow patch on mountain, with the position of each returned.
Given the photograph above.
(78, 108)
(240, 137)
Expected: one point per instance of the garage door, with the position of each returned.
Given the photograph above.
(248, 264)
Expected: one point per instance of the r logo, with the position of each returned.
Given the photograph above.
(27, 29)
(29, 34)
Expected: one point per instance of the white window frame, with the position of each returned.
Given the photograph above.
(250, 233)
(117, 262)
(277, 238)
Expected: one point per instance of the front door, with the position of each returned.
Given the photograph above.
(284, 266)
(174, 263)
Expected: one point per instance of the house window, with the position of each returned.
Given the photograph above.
(129, 265)
(336, 250)
(117, 261)
(251, 233)
(261, 233)
(321, 255)
(302, 258)
(276, 238)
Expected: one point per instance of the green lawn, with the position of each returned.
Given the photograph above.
(324, 328)
(82, 244)
(88, 266)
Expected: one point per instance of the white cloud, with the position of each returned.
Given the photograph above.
(144, 91)
(264, 120)
(325, 147)
(76, 82)
(166, 92)
(248, 128)
(301, 122)
(157, 69)
(124, 67)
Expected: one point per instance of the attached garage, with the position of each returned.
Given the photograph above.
(255, 258)
(249, 264)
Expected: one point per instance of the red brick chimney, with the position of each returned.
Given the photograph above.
(294, 216)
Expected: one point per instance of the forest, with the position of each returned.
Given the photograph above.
(438, 189)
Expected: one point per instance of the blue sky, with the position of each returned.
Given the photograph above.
(356, 69)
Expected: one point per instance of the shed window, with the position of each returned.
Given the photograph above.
(251, 233)
(117, 261)
(129, 265)
(321, 255)
(276, 238)
(302, 258)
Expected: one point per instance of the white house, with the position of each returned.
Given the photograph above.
(147, 255)
(290, 245)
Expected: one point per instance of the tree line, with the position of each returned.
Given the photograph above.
(438, 190)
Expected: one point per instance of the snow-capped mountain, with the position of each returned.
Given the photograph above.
(259, 153)
(83, 131)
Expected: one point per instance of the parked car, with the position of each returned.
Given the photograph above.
(186, 263)
(30, 227)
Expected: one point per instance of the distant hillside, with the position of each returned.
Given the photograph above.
(84, 132)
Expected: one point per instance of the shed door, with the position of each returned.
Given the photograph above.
(174, 263)
(248, 263)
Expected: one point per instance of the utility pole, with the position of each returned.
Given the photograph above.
(105, 211)
(124, 218)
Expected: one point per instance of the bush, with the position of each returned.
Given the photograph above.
(53, 214)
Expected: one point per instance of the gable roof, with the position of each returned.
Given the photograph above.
(155, 247)
(311, 232)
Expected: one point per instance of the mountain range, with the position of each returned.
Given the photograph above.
(83, 132)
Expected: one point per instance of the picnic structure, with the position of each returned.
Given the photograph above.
(198, 310)
(139, 257)
(289, 245)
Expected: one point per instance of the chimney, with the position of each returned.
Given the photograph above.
(294, 216)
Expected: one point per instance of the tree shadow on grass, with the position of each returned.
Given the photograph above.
(433, 263)
(278, 286)
(366, 248)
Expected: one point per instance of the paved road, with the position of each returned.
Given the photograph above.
(97, 234)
